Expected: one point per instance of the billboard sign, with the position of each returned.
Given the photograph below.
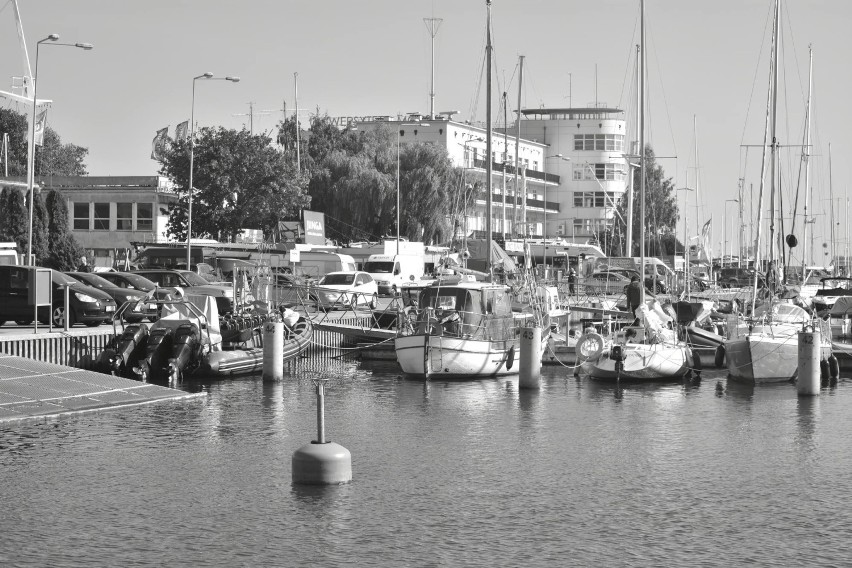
(314, 228)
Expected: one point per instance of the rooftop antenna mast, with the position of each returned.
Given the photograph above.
(251, 114)
(432, 25)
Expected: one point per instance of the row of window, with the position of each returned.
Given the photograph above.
(599, 142)
(590, 225)
(594, 199)
(96, 216)
(602, 172)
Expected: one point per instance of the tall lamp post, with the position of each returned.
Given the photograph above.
(544, 208)
(31, 153)
(730, 247)
(399, 133)
(192, 159)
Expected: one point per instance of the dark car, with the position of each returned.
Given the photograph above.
(133, 281)
(88, 305)
(133, 314)
(733, 277)
(192, 283)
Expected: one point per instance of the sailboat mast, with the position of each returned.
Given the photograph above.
(768, 128)
(629, 237)
(488, 159)
(642, 152)
(774, 147)
(831, 208)
(806, 154)
(517, 146)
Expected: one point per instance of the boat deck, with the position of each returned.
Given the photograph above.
(34, 390)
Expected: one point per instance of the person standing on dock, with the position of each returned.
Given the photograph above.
(634, 294)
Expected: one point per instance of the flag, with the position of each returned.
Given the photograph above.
(158, 145)
(181, 129)
(706, 253)
(41, 123)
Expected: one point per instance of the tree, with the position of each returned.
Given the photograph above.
(64, 253)
(41, 243)
(14, 218)
(53, 158)
(241, 182)
(661, 211)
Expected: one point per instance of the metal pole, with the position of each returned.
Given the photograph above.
(397, 189)
(191, 167)
(320, 383)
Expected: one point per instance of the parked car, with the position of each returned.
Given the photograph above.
(134, 314)
(191, 283)
(345, 289)
(628, 273)
(733, 277)
(133, 281)
(87, 305)
(606, 282)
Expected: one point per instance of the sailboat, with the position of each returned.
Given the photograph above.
(465, 327)
(652, 350)
(768, 350)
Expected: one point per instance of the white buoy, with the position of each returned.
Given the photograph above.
(273, 351)
(808, 380)
(530, 363)
(321, 462)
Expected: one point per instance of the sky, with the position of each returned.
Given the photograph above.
(708, 65)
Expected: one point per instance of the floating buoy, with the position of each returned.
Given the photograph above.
(720, 356)
(321, 462)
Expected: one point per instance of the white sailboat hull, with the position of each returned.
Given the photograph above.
(760, 359)
(434, 356)
(642, 362)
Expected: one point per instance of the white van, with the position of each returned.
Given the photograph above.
(316, 264)
(390, 271)
(9, 253)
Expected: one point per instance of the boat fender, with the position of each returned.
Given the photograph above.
(833, 367)
(510, 358)
(590, 347)
(823, 369)
(696, 361)
(720, 356)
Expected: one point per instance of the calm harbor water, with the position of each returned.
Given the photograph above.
(478, 473)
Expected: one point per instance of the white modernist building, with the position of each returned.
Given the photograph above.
(597, 175)
(573, 168)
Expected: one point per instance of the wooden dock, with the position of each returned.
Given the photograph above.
(35, 390)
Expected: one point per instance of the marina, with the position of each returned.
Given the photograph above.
(431, 337)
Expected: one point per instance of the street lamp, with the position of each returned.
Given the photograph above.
(31, 153)
(192, 158)
(399, 132)
(544, 207)
(730, 248)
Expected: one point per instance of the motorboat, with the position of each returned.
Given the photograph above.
(190, 339)
(464, 328)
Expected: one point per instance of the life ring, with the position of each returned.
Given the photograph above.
(833, 367)
(720, 356)
(590, 347)
(510, 358)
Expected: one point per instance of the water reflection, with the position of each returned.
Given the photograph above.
(807, 411)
